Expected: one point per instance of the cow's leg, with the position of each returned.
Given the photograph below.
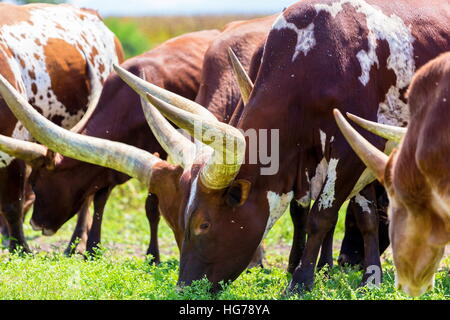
(4, 231)
(299, 215)
(367, 221)
(153, 216)
(29, 199)
(94, 236)
(341, 177)
(79, 237)
(326, 251)
(352, 248)
(12, 182)
(383, 225)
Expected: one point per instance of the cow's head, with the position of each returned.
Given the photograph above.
(416, 230)
(59, 193)
(220, 236)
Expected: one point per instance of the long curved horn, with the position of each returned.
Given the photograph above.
(244, 81)
(388, 132)
(24, 150)
(143, 87)
(118, 156)
(373, 158)
(228, 143)
(180, 148)
(96, 92)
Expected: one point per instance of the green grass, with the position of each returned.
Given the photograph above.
(122, 272)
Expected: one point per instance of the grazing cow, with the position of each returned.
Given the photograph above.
(318, 55)
(57, 56)
(219, 94)
(416, 177)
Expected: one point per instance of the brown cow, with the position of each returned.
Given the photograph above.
(219, 94)
(57, 56)
(416, 177)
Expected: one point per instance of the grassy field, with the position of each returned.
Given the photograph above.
(120, 270)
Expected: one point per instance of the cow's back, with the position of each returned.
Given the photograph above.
(54, 55)
(219, 92)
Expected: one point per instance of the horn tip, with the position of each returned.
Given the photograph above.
(336, 112)
(352, 116)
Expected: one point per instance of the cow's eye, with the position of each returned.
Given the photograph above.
(205, 226)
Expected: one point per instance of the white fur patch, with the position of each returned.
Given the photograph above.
(305, 37)
(363, 203)
(191, 200)
(323, 140)
(318, 179)
(327, 196)
(401, 60)
(277, 206)
(27, 40)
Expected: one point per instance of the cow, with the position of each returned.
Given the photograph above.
(219, 94)
(416, 177)
(57, 56)
(369, 50)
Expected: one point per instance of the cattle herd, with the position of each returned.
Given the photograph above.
(77, 121)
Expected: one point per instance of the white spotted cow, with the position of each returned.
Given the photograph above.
(57, 56)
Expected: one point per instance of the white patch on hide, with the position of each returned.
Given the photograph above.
(323, 140)
(393, 30)
(277, 206)
(191, 200)
(363, 203)
(318, 179)
(327, 196)
(305, 36)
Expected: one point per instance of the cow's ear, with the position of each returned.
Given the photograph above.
(165, 179)
(237, 193)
